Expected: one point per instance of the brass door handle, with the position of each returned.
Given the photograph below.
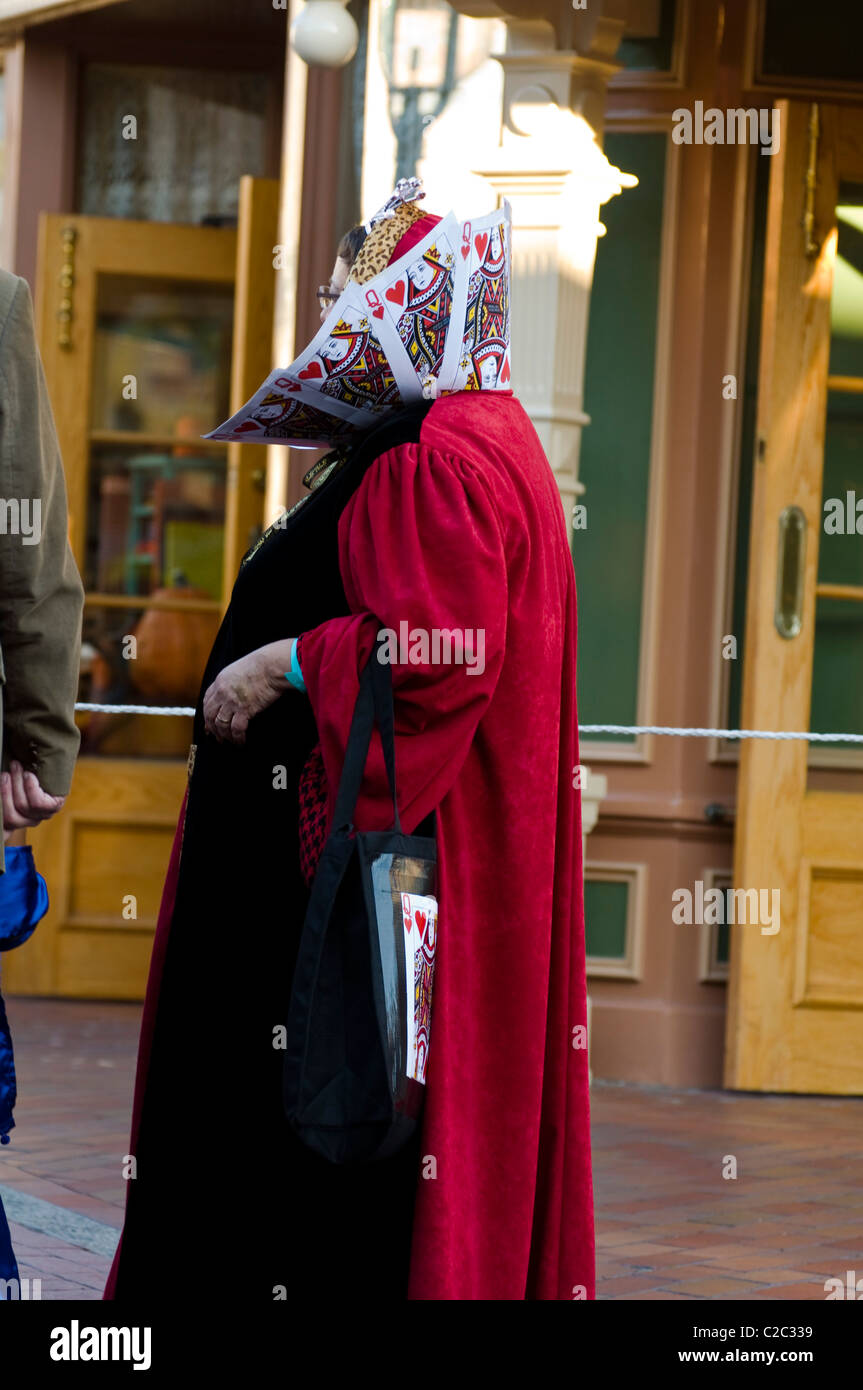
(788, 611)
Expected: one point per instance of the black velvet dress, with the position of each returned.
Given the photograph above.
(227, 1204)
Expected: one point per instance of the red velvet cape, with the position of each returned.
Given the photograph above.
(466, 530)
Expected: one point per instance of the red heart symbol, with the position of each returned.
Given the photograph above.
(481, 242)
(378, 311)
(420, 919)
(505, 374)
(313, 370)
(294, 386)
(247, 426)
(407, 924)
(465, 252)
(396, 293)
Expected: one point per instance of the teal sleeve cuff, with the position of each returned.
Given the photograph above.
(295, 675)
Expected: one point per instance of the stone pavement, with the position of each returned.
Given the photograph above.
(670, 1225)
(61, 1174)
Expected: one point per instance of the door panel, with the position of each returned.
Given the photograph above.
(162, 330)
(104, 856)
(252, 362)
(795, 1009)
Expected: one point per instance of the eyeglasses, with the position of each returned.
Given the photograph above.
(327, 296)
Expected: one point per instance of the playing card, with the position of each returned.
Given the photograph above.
(419, 914)
(417, 293)
(285, 411)
(357, 357)
(435, 322)
(479, 359)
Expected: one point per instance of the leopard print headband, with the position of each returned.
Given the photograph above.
(375, 252)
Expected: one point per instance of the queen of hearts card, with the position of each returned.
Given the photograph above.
(489, 366)
(281, 416)
(433, 321)
(424, 325)
(488, 291)
(357, 370)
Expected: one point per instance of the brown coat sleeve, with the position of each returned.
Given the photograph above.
(41, 598)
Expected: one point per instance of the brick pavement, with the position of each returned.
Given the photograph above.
(669, 1225)
(75, 1064)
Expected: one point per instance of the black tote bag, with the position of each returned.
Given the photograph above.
(360, 1010)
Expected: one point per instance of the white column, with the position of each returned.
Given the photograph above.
(290, 209)
(551, 168)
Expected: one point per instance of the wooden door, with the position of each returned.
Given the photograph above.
(795, 1012)
(150, 334)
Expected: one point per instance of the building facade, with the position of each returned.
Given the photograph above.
(687, 189)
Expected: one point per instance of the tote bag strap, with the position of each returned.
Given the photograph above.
(382, 691)
(374, 702)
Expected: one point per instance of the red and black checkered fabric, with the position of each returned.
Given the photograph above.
(313, 812)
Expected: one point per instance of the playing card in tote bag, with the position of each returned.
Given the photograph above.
(359, 1017)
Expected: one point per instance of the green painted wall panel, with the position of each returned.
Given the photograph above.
(615, 448)
(605, 911)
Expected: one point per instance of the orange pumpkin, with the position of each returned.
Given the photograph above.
(172, 650)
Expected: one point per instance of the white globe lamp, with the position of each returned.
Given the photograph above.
(324, 34)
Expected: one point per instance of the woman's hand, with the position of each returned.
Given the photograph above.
(244, 688)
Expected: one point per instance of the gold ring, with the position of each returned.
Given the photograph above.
(223, 718)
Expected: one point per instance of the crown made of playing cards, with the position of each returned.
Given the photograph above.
(433, 322)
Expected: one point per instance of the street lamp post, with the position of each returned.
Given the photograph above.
(430, 70)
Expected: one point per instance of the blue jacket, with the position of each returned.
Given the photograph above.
(23, 902)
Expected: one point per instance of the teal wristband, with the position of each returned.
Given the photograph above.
(295, 675)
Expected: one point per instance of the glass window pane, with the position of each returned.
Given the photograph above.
(155, 507)
(802, 41)
(131, 656)
(162, 356)
(155, 521)
(733, 670)
(196, 132)
(837, 676)
(648, 43)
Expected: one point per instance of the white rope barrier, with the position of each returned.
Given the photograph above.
(715, 733)
(135, 709)
(185, 711)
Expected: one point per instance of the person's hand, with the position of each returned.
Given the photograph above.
(23, 800)
(243, 689)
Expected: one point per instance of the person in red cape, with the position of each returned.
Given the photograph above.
(444, 516)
